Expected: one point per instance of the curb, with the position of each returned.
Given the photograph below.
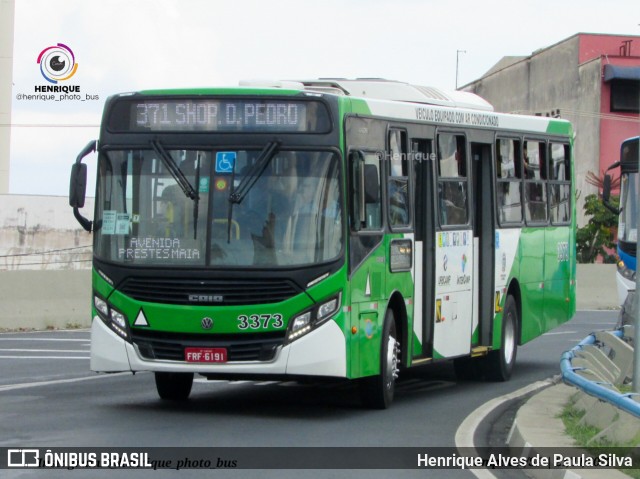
(537, 423)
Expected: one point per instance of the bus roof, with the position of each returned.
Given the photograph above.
(381, 89)
(393, 99)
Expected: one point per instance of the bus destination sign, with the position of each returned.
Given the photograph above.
(220, 115)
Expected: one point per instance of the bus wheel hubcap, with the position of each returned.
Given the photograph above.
(509, 340)
(393, 352)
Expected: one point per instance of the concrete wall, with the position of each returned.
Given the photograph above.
(514, 85)
(587, 128)
(552, 79)
(40, 232)
(45, 299)
(60, 299)
(597, 286)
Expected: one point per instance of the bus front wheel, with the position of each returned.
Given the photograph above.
(377, 391)
(174, 386)
(499, 364)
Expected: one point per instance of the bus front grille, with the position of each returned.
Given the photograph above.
(209, 292)
(240, 347)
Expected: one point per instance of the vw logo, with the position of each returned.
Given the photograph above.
(206, 323)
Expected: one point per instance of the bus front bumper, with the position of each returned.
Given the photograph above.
(321, 352)
(623, 285)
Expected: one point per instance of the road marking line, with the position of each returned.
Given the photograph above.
(57, 331)
(466, 430)
(12, 387)
(45, 357)
(44, 339)
(559, 332)
(42, 350)
(609, 311)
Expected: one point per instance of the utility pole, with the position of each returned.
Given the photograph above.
(458, 52)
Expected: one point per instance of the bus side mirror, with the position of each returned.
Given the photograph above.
(606, 195)
(78, 185)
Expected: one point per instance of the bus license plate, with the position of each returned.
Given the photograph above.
(205, 355)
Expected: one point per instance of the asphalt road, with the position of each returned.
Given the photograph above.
(49, 398)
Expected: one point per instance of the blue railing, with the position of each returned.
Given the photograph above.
(596, 388)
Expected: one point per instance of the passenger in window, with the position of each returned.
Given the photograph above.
(453, 203)
(529, 171)
(398, 209)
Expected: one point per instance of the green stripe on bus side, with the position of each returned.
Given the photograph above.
(556, 127)
(360, 106)
(543, 275)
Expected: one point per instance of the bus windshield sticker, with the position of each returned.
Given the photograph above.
(225, 162)
(204, 185)
(122, 223)
(109, 222)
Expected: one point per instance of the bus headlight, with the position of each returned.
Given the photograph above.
(301, 325)
(306, 321)
(112, 317)
(328, 309)
(118, 318)
(626, 273)
(101, 306)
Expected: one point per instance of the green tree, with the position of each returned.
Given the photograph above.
(593, 239)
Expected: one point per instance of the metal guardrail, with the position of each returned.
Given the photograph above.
(604, 368)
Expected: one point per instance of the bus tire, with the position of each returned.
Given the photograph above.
(174, 386)
(499, 364)
(377, 391)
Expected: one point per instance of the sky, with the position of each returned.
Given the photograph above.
(129, 45)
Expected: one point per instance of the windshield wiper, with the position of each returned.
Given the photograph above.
(175, 170)
(183, 182)
(238, 194)
(254, 173)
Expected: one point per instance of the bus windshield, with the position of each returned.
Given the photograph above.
(291, 216)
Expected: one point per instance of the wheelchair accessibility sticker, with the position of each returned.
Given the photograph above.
(225, 161)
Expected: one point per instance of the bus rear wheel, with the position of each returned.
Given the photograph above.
(377, 391)
(499, 364)
(174, 386)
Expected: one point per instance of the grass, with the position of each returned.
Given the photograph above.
(584, 433)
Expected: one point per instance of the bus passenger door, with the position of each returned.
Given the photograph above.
(483, 244)
(422, 151)
(452, 315)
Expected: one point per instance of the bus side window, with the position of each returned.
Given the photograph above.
(452, 180)
(398, 185)
(535, 192)
(366, 197)
(559, 183)
(509, 181)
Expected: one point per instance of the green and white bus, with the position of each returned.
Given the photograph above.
(325, 229)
